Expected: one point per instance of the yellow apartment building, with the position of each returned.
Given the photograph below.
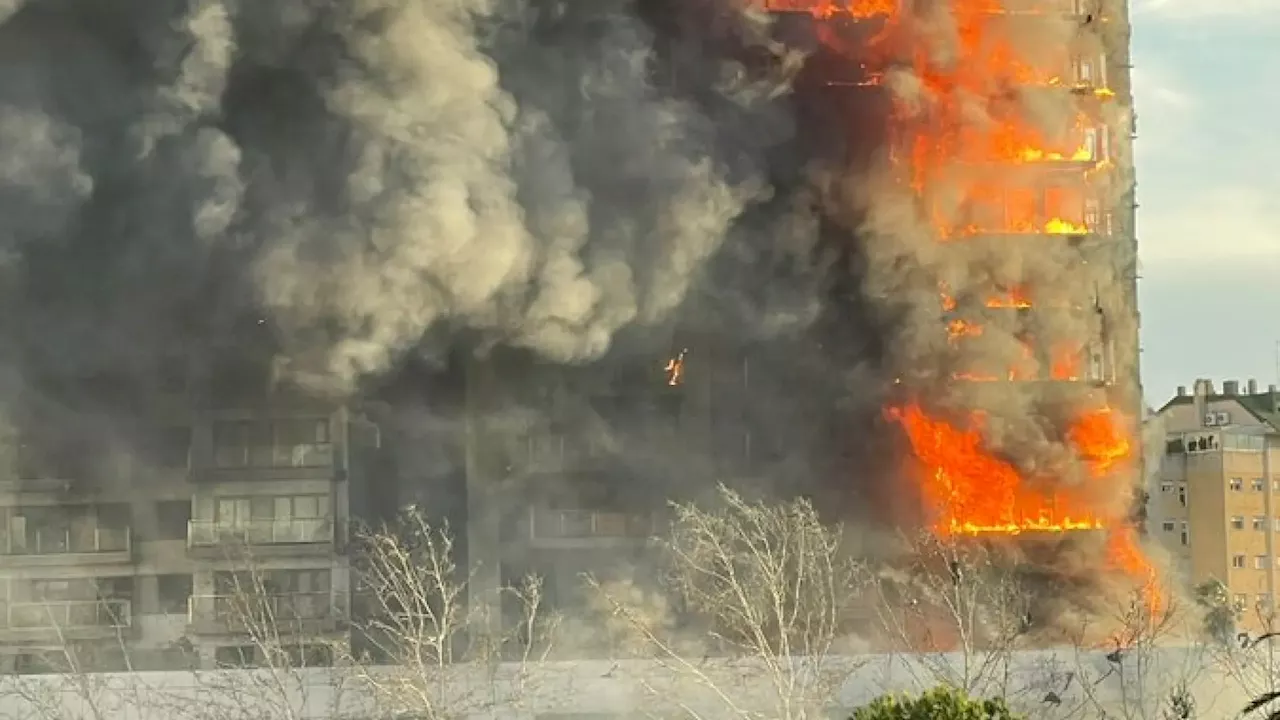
(1214, 500)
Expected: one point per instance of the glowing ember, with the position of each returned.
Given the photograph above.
(1015, 298)
(675, 368)
(959, 328)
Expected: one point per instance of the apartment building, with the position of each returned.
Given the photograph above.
(219, 493)
(1215, 502)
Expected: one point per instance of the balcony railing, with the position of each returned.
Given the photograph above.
(68, 614)
(304, 455)
(588, 524)
(64, 541)
(240, 611)
(292, 531)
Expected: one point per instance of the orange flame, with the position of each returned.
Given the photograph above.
(831, 8)
(675, 369)
(960, 328)
(969, 490)
(977, 168)
(1014, 298)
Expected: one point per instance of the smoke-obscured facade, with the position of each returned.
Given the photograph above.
(594, 254)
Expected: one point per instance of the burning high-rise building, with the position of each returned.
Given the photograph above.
(992, 204)
(670, 244)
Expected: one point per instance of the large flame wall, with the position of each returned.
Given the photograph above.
(997, 227)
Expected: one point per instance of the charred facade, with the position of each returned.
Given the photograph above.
(540, 268)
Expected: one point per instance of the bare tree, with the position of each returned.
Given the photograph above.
(89, 680)
(769, 586)
(422, 643)
(290, 639)
(958, 608)
(1151, 663)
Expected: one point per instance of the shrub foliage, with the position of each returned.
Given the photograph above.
(942, 703)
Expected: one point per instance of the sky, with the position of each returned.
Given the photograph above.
(1206, 89)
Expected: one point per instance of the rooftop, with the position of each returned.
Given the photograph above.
(1263, 406)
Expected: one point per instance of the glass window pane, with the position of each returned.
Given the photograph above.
(306, 506)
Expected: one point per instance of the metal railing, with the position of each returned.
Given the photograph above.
(65, 541)
(301, 455)
(208, 533)
(584, 524)
(68, 614)
(239, 610)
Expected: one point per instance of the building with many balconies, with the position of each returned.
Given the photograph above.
(149, 555)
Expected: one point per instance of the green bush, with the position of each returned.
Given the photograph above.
(941, 703)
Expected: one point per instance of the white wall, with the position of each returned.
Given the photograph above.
(514, 692)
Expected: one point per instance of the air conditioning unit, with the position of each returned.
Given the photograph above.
(1222, 418)
(1210, 419)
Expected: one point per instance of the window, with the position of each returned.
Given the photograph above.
(1166, 487)
(1259, 522)
(1260, 562)
(174, 590)
(234, 656)
(1264, 600)
(242, 511)
(1182, 495)
(273, 582)
(1237, 522)
(1237, 561)
(1167, 526)
(1240, 600)
(279, 443)
(172, 517)
(304, 656)
(1237, 484)
(1259, 485)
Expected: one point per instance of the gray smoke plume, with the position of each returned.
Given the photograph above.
(363, 173)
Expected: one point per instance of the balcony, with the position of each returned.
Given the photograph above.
(70, 619)
(65, 546)
(588, 528)
(286, 613)
(278, 536)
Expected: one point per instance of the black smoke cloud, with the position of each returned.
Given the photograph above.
(358, 184)
(360, 174)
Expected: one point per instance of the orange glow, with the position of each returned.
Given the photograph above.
(1065, 364)
(1015, 298)
(675, 369)
(960, 328)
(1124, 553)
(831, 8)
(1099, 438)
(969, 490)
(978, 164)
(1058, 226)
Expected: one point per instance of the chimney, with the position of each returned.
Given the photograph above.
(1253, 386)
(1230, 388)
(1202, 389)
(1182, 391)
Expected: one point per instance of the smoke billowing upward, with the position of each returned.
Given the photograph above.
(592, 184)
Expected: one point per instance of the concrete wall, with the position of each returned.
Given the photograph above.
(1086, 682)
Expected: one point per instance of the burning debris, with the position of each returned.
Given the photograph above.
(675, 368)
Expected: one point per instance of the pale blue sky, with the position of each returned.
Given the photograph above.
(1207, 86)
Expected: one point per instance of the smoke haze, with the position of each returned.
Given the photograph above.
(371, 183)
